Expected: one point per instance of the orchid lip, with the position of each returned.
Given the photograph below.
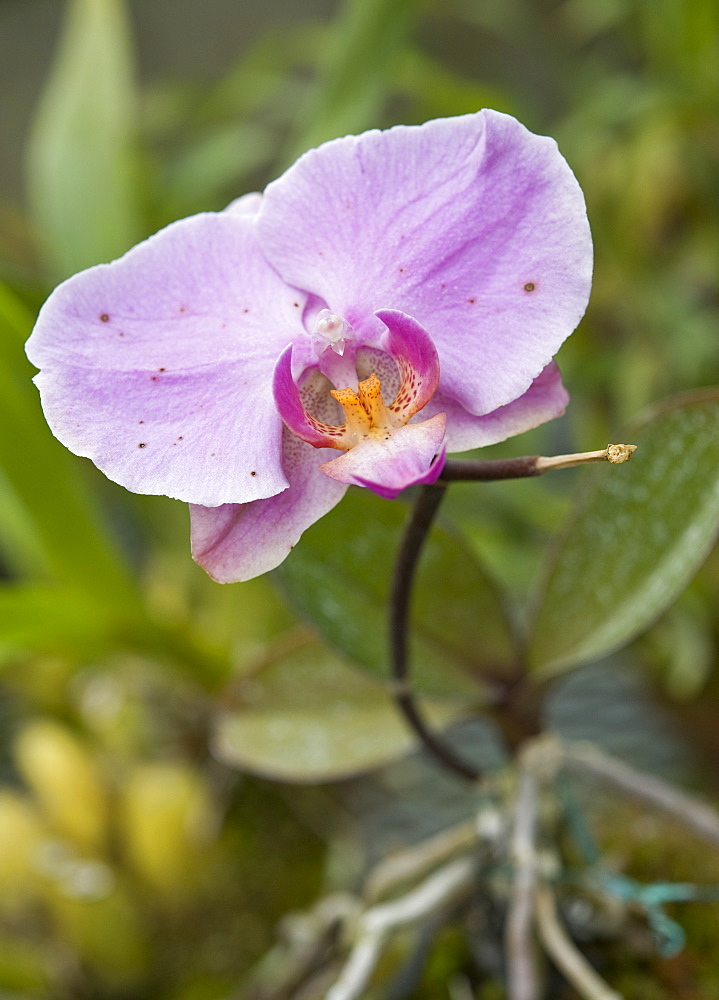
(366, 414)
(382, 449)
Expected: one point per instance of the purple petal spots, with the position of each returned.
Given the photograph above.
(239, 541)
(417, 362)
(292, 409)
(202, 319)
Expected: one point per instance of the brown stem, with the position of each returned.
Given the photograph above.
(423, 513)
(457, 470)
(420, 521)
(466, 470)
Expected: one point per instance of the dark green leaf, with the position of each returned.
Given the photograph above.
(638, 535)
(612, 706)
(339, 579)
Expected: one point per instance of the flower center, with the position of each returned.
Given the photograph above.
(407, 361)
(365, 412)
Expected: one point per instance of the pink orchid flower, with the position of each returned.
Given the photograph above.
(393, 296)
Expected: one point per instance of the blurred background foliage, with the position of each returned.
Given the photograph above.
(156, 725)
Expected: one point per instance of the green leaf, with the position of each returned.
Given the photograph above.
(339, 576)
(37, 618)
(611, 705)
(439, 89)
(206, 172)
(310, 717)
(20, 545)
(638, 535)
(359, 63)
(46, 480)
(80, 159)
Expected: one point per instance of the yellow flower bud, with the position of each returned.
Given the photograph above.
(167, 818)
(20, 835)
(60, 770)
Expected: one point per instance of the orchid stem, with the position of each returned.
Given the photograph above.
(421, 518)
(420, 522)
(459, 470)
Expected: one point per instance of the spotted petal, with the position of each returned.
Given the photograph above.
(298, 419)
(417, 362)
(472, 225)
(239, 541)
(159, 366)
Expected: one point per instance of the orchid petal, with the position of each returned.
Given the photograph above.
(409, 455)
(291, 408)
(159, 366)
(544, 400)
(246, 204)
(472, 225)
(417, 361)
(181, 436)
(236, 542)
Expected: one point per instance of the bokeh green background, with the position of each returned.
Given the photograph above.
(145, 847)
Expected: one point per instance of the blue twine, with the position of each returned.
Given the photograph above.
(669, 936)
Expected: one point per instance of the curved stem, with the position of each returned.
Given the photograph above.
(423, 513)
(426, 506)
